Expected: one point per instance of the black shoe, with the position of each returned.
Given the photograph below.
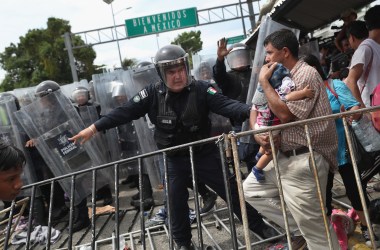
(136, 196)
(80, 224)
(266, 232)
(128, 180)
(107, 201)
(208, 202)
(133, 185)
(59, 213)
(186, 247)
(148, 203)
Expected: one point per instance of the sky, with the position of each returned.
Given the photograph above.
(20, 16)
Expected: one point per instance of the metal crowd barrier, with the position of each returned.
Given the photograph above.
(228, 150)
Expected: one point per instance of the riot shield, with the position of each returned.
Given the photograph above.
(89, 115)
(12, 133)
(50, 121)
(25, 96)
(121, 141)
(134, 80)
(68, 89)
(311, 47)
(267, 27)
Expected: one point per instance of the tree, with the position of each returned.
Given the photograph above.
(129, 63)
(41, 55)
(190, 42)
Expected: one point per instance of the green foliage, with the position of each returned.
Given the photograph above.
(41, 55)
(129, 63)
(190, 41)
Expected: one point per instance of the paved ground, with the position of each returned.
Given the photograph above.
(215, 226)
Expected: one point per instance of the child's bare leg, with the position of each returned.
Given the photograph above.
(263, 161)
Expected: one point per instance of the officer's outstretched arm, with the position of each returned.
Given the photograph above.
(84, 135)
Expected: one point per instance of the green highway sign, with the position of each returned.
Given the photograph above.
(235, 39)
(173, 20)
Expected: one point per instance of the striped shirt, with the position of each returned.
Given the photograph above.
(323, 134)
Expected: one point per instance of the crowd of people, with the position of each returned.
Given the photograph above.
(290, 88)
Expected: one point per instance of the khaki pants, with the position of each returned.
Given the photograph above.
(300, 195)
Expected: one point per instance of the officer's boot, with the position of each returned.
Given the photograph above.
(105, 194)
(39, 212)
(147, 195)
(81, 219)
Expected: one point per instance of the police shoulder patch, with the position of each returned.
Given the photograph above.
(211, 91)
(136, 98)
(143, 93)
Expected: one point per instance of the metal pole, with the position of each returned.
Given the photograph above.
(117, 39)
(242, 19)
(69, 48)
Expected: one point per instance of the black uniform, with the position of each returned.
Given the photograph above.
(181, 118)
(235, 85)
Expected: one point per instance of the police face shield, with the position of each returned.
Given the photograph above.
(203, 72)
(239, 58)
(119, 96)
(166, 65)
(80, 96)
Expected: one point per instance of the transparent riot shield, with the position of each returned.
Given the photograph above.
(219, 124)
(310, 48)
(68, 89)
(121, 141)
(89, 115)
(134, 80)
(50, 121)
(12, 133)
(25, 96)
(267, 27)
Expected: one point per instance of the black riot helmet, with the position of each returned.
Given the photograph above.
(239, 57)
(143, 64)
(171, 56)
(46, 87)
(81, 95)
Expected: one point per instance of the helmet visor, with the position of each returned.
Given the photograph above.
(239, 58)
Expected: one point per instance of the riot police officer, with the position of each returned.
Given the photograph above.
(82, 100)
(179, 108)
(235, 85)
(81, 218)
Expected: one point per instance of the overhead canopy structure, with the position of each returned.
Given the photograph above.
(309, 15)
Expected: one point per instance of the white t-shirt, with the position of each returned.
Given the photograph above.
(362, 55)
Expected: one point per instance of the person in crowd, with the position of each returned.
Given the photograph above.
(235, 84)
(339, 94)
(347, 17)
(179, 106)
(12, 161)
(81, 98)
(357, 32)
(304, 215)
(364, 75)
(284, 86)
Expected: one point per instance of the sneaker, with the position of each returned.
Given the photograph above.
(192, 216)
(365, 234)
(298, 242)
(259, 174)
(158, 219)
(266, 232)
(208, 202)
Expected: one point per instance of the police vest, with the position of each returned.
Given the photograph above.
(173, 129)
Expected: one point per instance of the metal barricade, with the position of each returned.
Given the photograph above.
(145, 236)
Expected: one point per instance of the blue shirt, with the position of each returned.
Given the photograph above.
(348, 100)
